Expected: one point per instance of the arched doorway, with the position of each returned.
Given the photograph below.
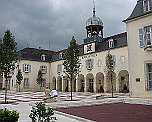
(100, 82)
(89, 82)
(81, 84)
(59, 83)
(54, 83)
(123, 81)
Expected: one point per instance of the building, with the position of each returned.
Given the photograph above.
(139, 34)
(92, 55)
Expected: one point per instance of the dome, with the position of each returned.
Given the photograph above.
(94, 21)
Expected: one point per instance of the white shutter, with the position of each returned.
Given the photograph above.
(23, 67)
(141, 37)
(29, 68)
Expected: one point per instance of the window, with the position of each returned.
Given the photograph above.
(89, 64)
(145, 36)
(26, 68)
(26, 83)
(43, 69)
(43, 57)
(111, 43)
(149, 75)
(122, 59)
(113, 60)
(99, 63)
(59, 68)
(147, 5)
(148, 35)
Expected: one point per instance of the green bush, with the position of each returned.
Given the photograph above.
(40, 113)
(8, 116)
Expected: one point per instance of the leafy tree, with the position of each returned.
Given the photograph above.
(40, 113)
(8, 56)
(8, 116)
(19, 78)
(72, 63)
(110, 67)
(39, 78)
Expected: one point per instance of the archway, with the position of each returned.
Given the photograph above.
(123, 78)
(59, 83)
(81, 84)
(100, 82)
(54, 83)
(89, 82)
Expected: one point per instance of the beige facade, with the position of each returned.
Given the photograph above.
(139, 34)
(138, 57)
(87, 79)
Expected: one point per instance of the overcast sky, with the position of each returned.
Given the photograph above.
(38, 23)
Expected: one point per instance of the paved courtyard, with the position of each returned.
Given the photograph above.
(83, 103)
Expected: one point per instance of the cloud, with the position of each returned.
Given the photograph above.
(38, 23)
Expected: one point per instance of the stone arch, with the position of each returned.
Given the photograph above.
(90, 82)
(59, 83)
(54, 83)
(123, 78)
(80, 83)
(100, 82)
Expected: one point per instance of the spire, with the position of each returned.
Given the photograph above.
(94, 11)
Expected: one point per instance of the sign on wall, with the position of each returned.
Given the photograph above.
(89, 48)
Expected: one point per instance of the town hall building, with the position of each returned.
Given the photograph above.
(131, 52)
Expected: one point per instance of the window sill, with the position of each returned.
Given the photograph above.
(148, 48)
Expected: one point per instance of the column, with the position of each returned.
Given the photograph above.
(85, 84)
(105, 84)
(94, 85)
(77, 80)
(117, 85)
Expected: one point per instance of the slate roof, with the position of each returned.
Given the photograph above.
(120, 40)
(138, 11)
(35, 54)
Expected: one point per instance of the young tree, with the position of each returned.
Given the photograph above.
(8, 56)
(19, 78)
(39, 78)
(110, 67)
(72, 63)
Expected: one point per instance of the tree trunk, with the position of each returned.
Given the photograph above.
(5, 90)
(111, 85)
(71, 88)
(19, 87)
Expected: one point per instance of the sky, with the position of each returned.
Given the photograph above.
(50, 24)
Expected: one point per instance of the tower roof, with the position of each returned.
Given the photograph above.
(94, 20)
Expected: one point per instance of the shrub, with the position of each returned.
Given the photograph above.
(40, 113)
(8, 116)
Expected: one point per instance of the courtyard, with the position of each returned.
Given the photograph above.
(84, 107)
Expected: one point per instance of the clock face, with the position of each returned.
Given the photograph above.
(89, 48)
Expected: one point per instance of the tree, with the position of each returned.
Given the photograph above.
(39, 78)
(8, 56)
(19, 78)
(41, 113)
(72, 63)
(110, 67)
